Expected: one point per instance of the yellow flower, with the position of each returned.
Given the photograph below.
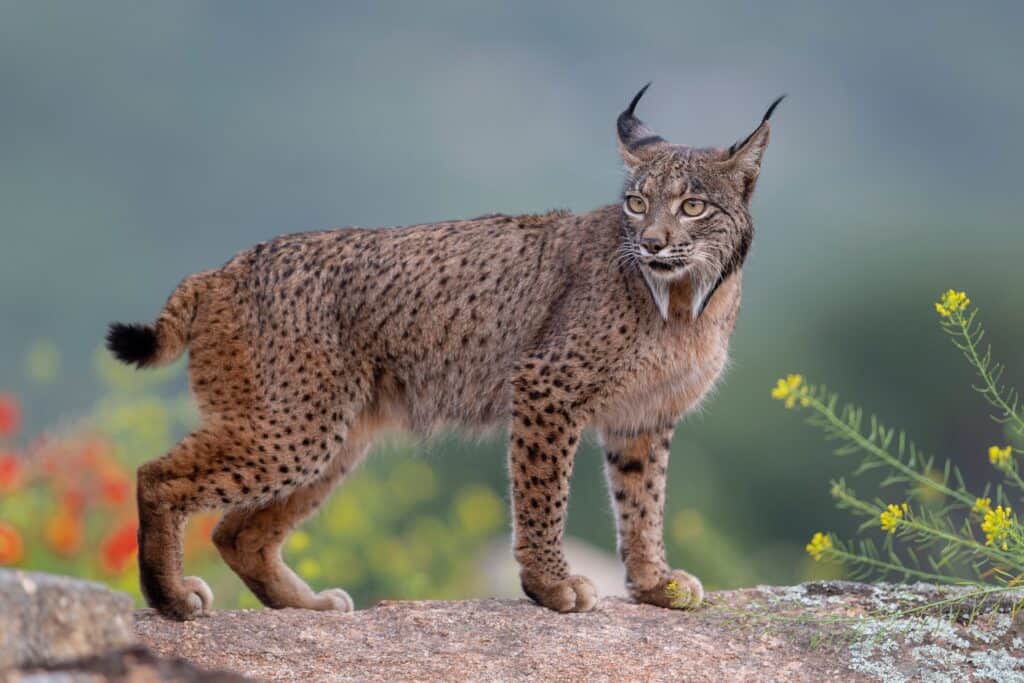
(892, 515)
(309, 568)
(951, 302)
(996, 526)
(674, 594)
(298, 542)
(791, 389)
(820, 543)
(999, 457)
(982, 505)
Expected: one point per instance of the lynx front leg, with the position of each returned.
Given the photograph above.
(636, 466)
(543, 443)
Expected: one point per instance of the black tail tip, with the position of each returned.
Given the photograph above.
(134, 344)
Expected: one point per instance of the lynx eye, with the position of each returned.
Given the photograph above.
(693, 207)
(636, 204)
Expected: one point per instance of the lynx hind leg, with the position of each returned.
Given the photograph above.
(195, 475)
(250, 541)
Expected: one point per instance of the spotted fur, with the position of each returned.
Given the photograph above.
(302, 348)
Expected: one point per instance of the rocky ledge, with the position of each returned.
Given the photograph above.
(812, 632)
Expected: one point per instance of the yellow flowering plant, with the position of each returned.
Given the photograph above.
(938, 530)
(819, 545)
(892, 515)
(1000, 457)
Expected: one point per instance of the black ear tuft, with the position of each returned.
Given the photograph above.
(771, 109)
(733, 148)
(134, 344)
(633, 134)
(636, 99)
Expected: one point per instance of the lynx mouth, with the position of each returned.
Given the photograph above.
(665, 269)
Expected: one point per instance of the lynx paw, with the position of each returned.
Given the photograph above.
(334, 599)
(194, 598)
(574, 594)
(675, 589)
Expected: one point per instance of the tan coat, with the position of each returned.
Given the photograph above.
(302, 348)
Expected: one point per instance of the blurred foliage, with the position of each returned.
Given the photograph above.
(67, 502)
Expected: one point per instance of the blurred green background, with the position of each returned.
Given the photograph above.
(143, 142)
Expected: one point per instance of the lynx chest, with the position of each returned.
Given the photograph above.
(675, 367)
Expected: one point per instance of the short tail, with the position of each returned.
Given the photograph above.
(148, 345)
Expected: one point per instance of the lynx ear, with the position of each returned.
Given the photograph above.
(634, 136)
(745, 157)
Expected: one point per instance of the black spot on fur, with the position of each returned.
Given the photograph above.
(134, 344)
(630, 466)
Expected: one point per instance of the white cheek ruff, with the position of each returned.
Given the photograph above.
(701, 291)
(703, 287)
(659, 292)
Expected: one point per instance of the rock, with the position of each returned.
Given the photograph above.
(131, 665)
(812, 632)
(55, 629)
(46, 619)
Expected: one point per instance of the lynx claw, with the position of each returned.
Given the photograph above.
(196, 599)
(334, 599)
(574, 594)
(676, 589)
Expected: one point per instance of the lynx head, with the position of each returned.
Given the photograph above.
(687, 209)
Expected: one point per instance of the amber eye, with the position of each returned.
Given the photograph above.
(636, 204)
(693, 207)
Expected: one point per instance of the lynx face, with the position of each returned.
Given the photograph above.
(686, 210)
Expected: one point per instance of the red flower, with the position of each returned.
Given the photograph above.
(93, 452)
(198, 533)
(11, 547)
(207, 525)
(119, 547)
(10, 472)
(10, 415)
(64, 531)
(73, 500)
(114, 489)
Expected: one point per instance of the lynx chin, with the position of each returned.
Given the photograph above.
(302, 348)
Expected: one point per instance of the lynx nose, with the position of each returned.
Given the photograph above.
(652, 244)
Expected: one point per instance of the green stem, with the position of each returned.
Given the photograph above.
(880, 453)
(970, 544)
(1011, 471)
(984, 592)
(991, 388)
(907, 571)
(886, 616)
(973, 546)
